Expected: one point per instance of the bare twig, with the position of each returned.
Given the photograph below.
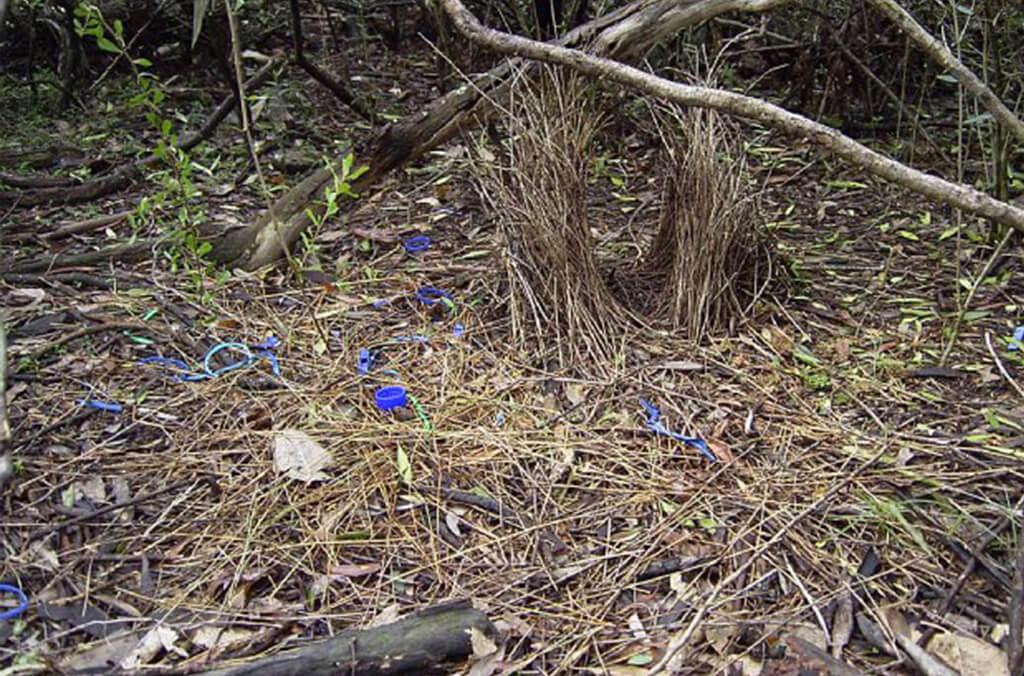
(6, 466)
(999, 365)
(961, 196)
(209, 480)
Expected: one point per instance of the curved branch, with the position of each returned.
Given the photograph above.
(945, 58)
(961, 196)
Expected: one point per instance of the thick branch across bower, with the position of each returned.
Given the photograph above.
(626, 33)
(941, 54)
(961, 196)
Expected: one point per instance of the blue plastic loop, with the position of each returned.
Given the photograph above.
(22, 601)
(655, 425)
(429, 295)
(390, 397)
(417, 244)
(247, 358)
(250, 355)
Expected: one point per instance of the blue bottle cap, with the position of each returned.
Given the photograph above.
(390, 397)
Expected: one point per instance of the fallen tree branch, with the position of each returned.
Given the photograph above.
(130, 251)
(625, 33)
(941, 54)
(428, 642)
(961, 196)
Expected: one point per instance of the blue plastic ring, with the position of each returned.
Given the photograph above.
(22, 602)
(390, 397)
(417, 243)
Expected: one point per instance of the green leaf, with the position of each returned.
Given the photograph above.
(404, 466)
(346, 164)
(906, 234)
(142, 62)
(803, 354)
(358, 171)
(845, 185)
(949, 232)
(640, 659)
(118, 28)
(106, 45)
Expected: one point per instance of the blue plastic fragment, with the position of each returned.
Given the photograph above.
(365, 361)
(655, 425)
(22, 601)
(109, 406)
(458, 330)
(417, 244)
(415, 338)
(1018, 337)
(429, 295)
(379, 304)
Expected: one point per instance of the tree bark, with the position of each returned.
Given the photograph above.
(961, 196)
(626, 33)
(428, 642)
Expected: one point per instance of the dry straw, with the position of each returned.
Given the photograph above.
(540, 189)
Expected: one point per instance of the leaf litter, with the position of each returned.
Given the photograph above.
(608, 546)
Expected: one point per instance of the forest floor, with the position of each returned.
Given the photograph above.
(857, 477)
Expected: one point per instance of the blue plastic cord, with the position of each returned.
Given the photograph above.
(655, 425)
(417, 244)
(22, 602)
(415, 338)
(250, 355)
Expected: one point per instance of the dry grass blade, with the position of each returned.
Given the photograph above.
(706, 247)
(538, 195)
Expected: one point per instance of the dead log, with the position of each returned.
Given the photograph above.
(626, 33)
(428, 642)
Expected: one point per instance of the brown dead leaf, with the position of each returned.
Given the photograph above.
(380, 235)
(969, 656)
(842, 623)
(721, 450)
